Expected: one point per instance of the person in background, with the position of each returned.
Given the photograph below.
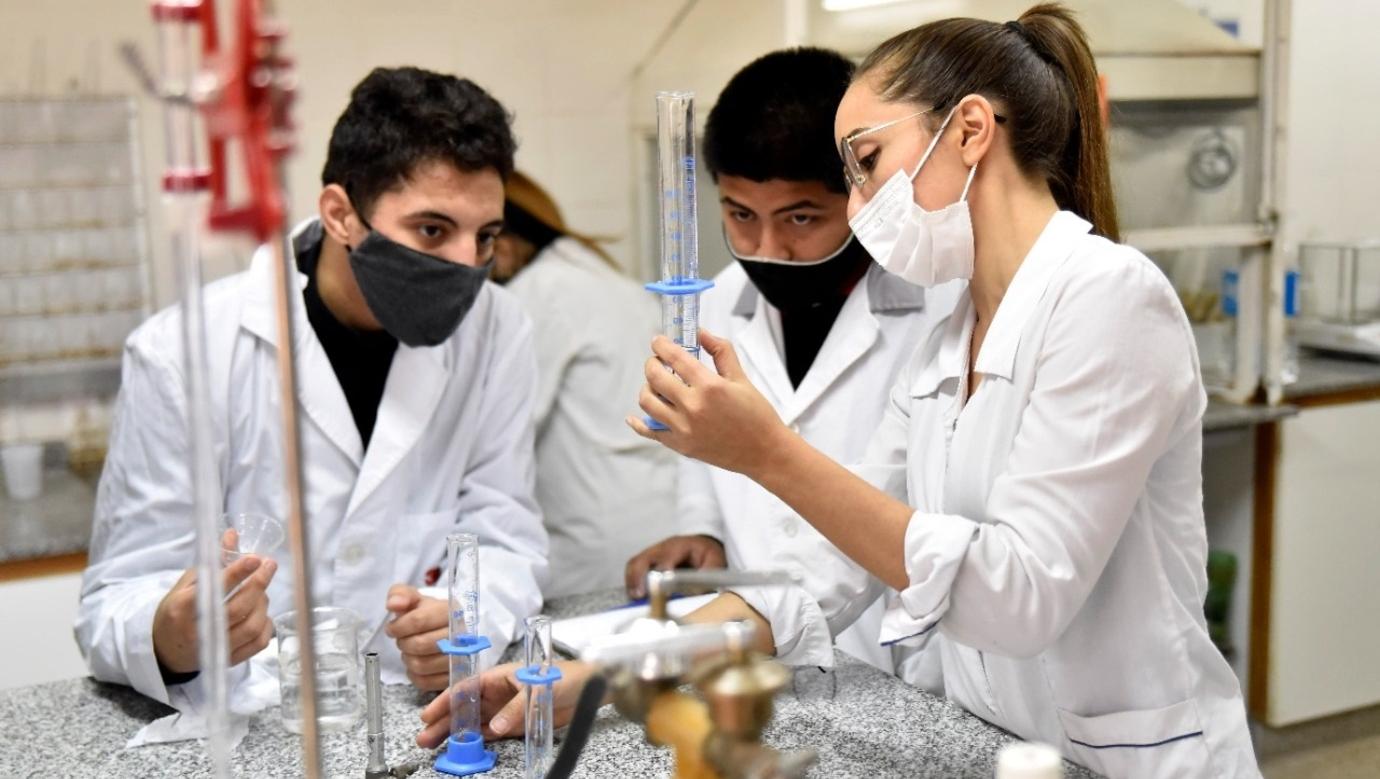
(416, 386)
(604, 492)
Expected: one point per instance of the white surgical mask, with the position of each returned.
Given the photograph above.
(923, 247)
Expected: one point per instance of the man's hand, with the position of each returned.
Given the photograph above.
(419, 623)
(698, 552)
(174, 622)
(501, 705)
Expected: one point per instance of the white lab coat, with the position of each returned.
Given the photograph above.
(606, 493)
(836, 408)
(451, 451)
(1058, 542)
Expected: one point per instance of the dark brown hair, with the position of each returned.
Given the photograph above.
(1041, 70)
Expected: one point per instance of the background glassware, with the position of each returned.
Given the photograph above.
(53, 210)
(23, 209)
(28, 296)
(13, 259)
(58, 294)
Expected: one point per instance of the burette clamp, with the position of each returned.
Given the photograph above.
(466, 755)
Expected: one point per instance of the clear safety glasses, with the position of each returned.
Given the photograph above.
(854, 175)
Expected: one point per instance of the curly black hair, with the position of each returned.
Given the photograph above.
(399, 118)
(775, 119)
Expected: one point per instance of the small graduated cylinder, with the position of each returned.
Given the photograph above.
(465, 753)
(540, 714)
(463, 561)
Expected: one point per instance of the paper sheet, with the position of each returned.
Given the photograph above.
(572, 635)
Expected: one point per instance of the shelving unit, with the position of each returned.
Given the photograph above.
(74, 260)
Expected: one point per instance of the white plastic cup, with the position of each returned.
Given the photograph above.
(1029, 760)
(23, 466)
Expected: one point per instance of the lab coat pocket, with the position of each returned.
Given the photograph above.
(1165, 742)
(422, 546)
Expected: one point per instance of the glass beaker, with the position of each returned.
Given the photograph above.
(339, 698)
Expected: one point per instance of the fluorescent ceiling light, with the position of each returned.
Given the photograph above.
(853, 5)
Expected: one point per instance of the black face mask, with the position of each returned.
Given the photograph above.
(419, 299)
(801, 286)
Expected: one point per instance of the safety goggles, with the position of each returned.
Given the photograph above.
(853, 173)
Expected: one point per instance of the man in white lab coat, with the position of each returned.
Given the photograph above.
(823, 332)
(416, 380)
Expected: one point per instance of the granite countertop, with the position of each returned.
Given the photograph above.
(1221, 415)
(1324, 373)
(57, 522)
(874, 726)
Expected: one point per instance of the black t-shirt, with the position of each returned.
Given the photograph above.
(361, 359)
(804, 332)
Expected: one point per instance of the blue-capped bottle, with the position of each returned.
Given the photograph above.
(1289, 371)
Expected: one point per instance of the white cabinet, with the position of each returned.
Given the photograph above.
(1324, 608)
(39, 613)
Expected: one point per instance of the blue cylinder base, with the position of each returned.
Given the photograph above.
(653, 424)
(465, 757)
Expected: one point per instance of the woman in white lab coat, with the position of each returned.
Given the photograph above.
(1049, 436)
(604, 492)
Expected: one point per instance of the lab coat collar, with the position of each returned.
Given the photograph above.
(416, 379)
(952, 358)
(1055, 244)
(854, 333)
(318, 391)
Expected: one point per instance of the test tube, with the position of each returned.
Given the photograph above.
(540, 710)
(465, 753)
(680, 285)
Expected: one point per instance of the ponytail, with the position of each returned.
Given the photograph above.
(1041, 70)
(1057, 37)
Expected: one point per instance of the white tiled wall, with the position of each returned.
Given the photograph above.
(563, 67)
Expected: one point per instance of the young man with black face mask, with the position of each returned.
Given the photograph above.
(822, 330)
(416, 381)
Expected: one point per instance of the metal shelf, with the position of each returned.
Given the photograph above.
(130, 308)
(71, 226)
(34, 368)
(50, 186)
(62, 142)
(76, 267)
(1199, 237)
